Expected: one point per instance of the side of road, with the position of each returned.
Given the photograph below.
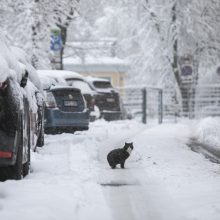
(210, 152)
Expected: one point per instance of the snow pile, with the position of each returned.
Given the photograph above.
(207, 131)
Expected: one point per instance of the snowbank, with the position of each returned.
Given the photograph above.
(207, 131)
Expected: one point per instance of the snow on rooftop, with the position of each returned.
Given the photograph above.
(95, 60)
(95, 64)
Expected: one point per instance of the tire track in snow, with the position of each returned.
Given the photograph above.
(131, 199)
(126, 194)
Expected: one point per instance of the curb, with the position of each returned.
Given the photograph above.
(208, 151)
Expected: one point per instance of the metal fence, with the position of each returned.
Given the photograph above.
(204, 101)
(148, 103)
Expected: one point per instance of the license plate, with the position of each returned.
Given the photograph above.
(110, 100)
(70, 103)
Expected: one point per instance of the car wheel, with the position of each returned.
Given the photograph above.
(40, 140)
(18, 167)
(26, 168)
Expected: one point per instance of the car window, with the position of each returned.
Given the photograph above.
(79, 84)
(102, 84)
(69, 100)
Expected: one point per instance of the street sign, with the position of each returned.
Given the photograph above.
(55, 40)
(186, 70)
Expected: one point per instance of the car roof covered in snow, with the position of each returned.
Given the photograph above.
(9, 66)
(13, 65)
(60, 73)
(53, 88)
(25, 64)
(51, 78)
(95, 79)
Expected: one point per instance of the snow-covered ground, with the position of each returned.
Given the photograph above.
(71, 179)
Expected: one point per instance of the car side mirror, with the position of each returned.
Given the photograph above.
(24, 79)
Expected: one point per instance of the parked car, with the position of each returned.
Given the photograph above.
(106, 98)
(65, 110)
(34, 90)
(17, 132)
(77, 81)
(63, 77)
(18, 107)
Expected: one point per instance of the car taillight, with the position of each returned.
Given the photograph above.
(50, 100)
(5, 154)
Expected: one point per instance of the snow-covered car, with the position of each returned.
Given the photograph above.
(63, 77)
(106, 98)
(65, 110)
(35, 94)
(18, 114)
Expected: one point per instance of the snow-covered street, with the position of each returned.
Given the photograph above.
(71, 179)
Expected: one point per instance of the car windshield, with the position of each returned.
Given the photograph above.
(80, 84)
(102, 84)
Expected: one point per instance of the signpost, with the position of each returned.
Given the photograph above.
(218, 70)
(55, 48)
(186, 67)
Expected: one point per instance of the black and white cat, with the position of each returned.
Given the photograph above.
(118, 156)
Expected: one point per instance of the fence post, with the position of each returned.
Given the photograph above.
(160, 106)
(144, 105)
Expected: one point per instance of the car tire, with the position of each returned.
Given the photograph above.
(26, 168)
(40, 140)
(17, 169)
